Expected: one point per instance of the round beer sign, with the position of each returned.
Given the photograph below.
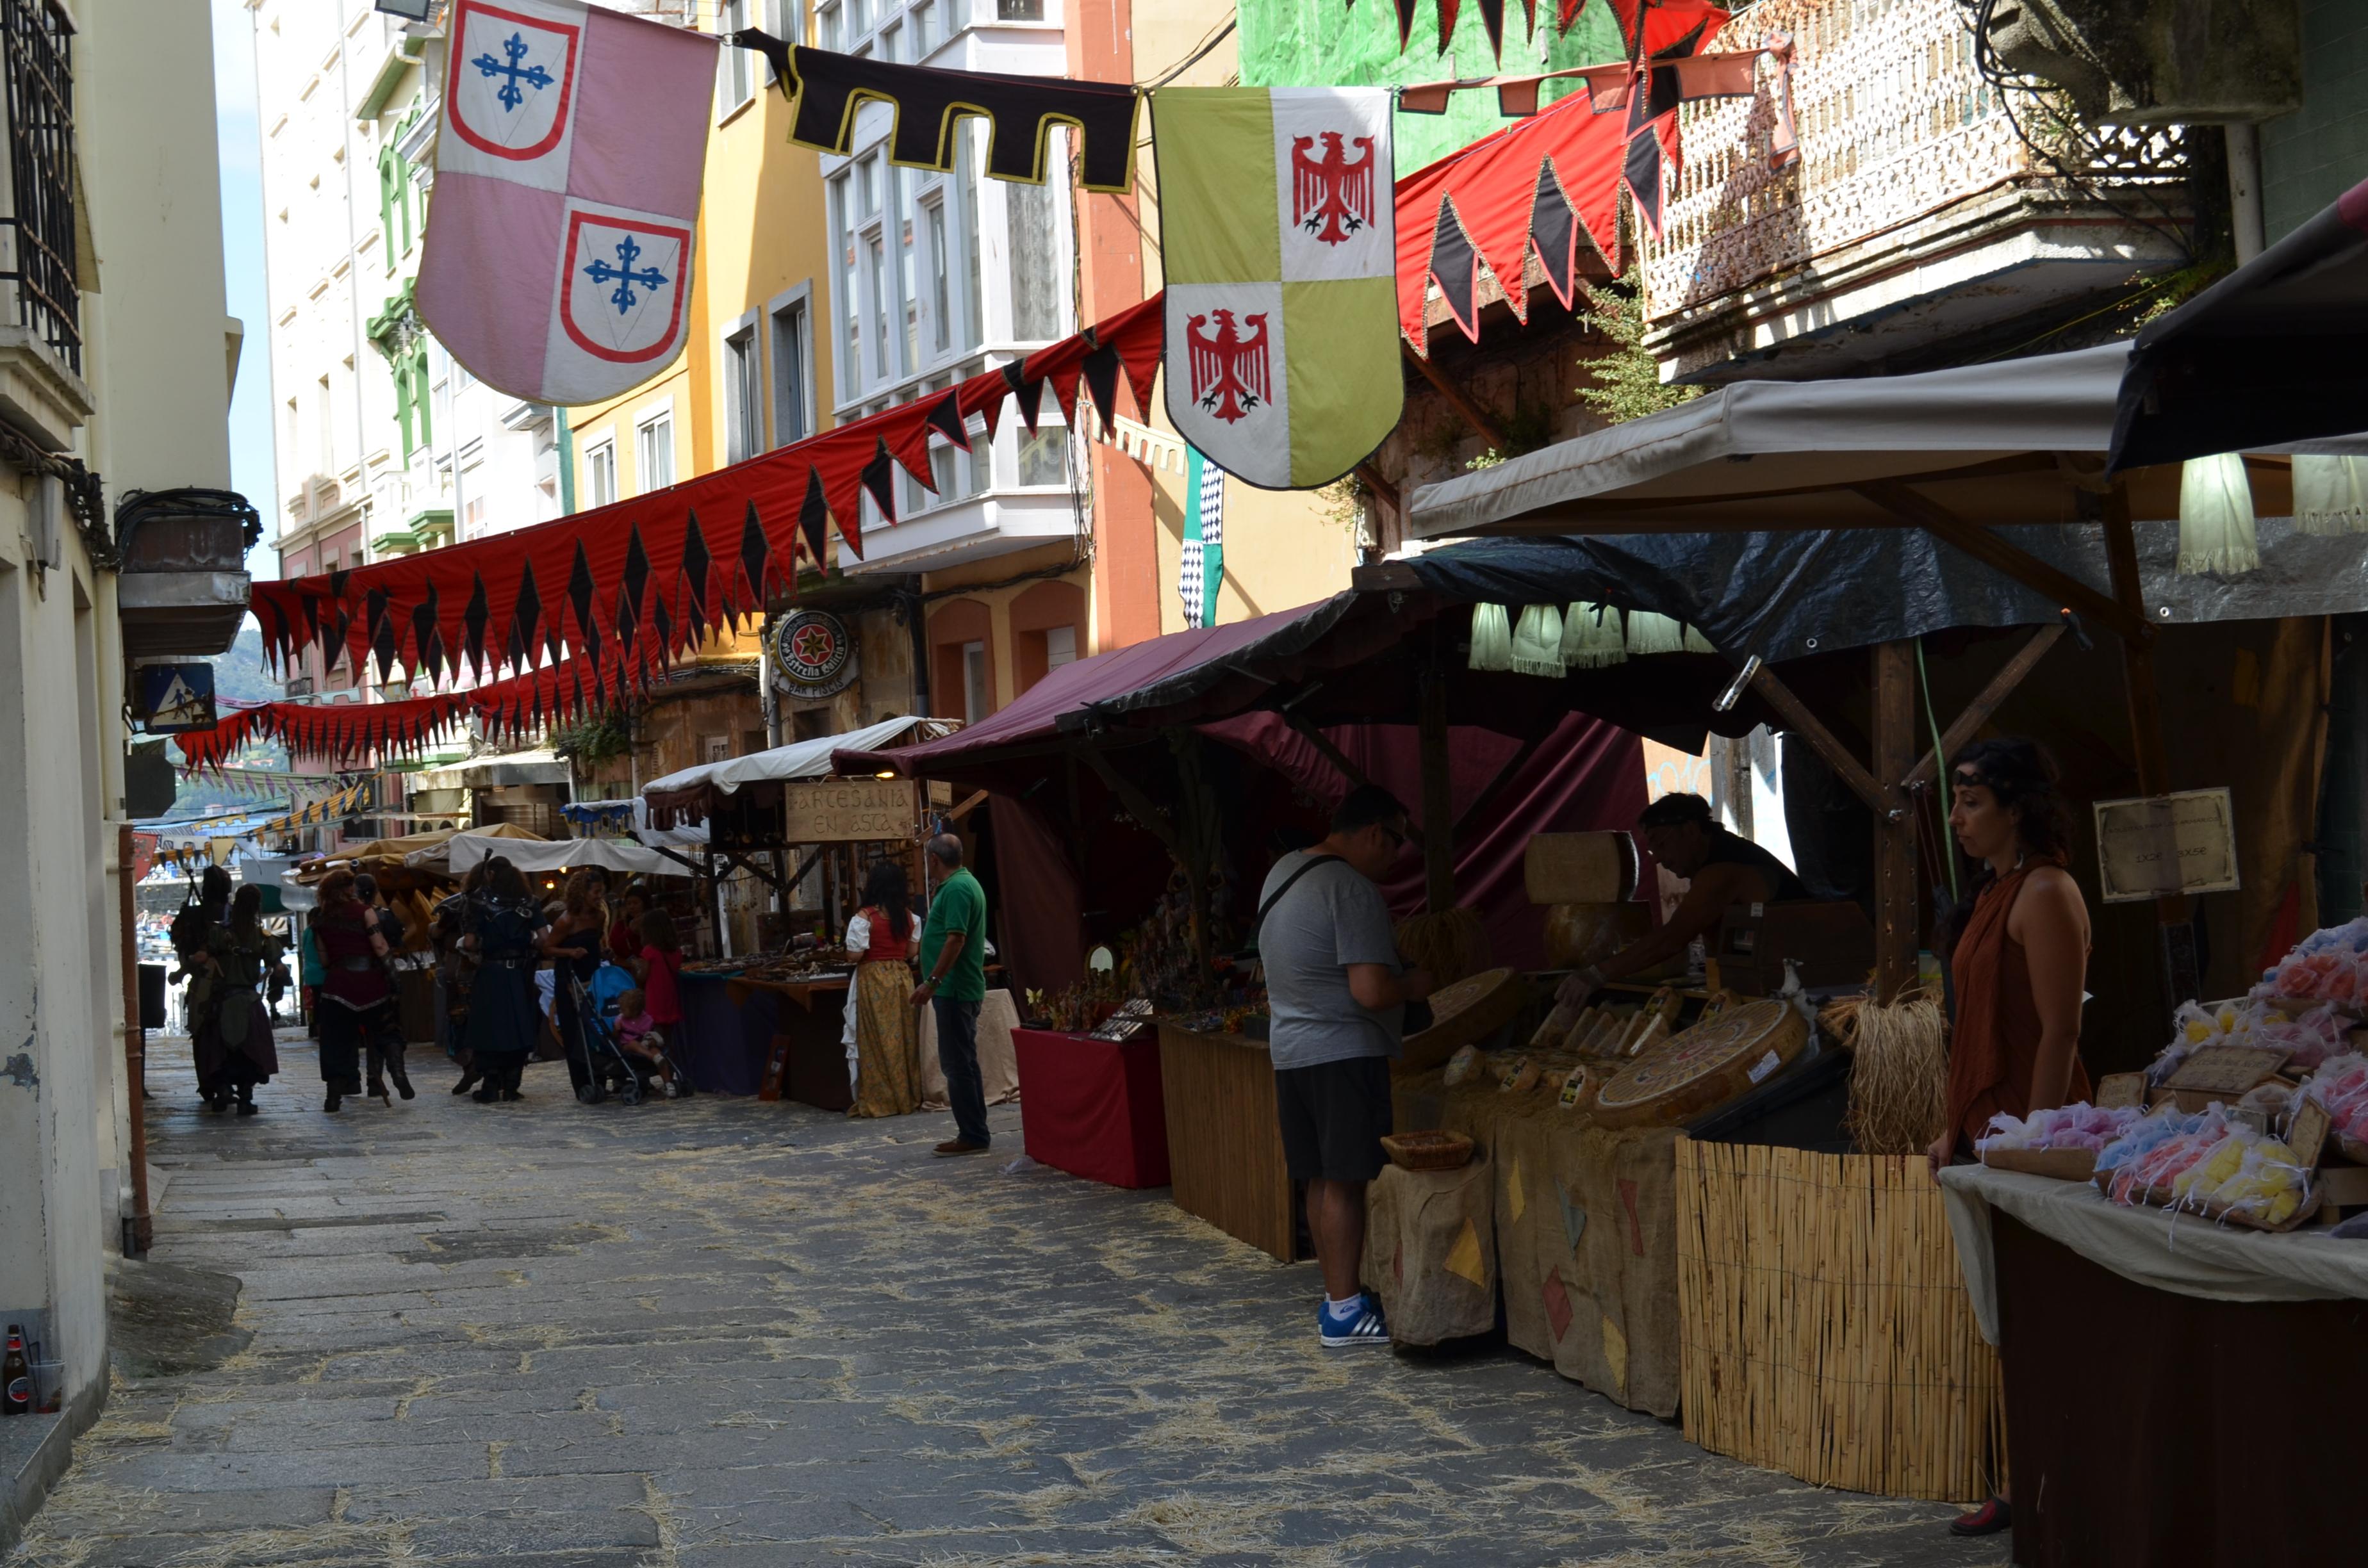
(815, 653)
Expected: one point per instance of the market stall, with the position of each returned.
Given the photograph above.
(1092, 1103)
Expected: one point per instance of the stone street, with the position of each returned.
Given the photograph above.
(719, 1334)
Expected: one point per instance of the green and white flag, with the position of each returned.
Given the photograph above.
(1278, 228)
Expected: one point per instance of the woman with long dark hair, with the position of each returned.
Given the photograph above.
(882, 1036)
(573, 946)
(358, 995)
(502, 925)
(235, 1051)
(2018, 951)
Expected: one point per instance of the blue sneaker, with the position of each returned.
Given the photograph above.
(1361, 1325)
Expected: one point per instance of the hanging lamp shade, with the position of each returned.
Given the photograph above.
(1591, 638)
(1698, 643)
(1537, 643)
(1492, 638)
(1651, 633)
(2331, 494)
(2216, 518)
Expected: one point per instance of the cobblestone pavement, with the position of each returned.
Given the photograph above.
(718, 1333)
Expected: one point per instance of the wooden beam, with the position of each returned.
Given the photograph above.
(1479, 419)
(1332, 754)
(1801, 722)
(977, 798)
(1437, 796)
(1137, 804)
(1985, 546)
(1383, 491)
(1979, 710)
(1895, 924)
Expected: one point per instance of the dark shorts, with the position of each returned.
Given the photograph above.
(1334, 1116)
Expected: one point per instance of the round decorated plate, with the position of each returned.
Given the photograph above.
(1705, 1066)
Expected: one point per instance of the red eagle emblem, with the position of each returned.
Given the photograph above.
(1229, 368)
(1331, 197)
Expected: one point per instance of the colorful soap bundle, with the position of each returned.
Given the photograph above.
(2248, 1173)
(2330, 965)
(2064, 1127)
(2341, 1085)
(2157, 1149)
(2308, 1039)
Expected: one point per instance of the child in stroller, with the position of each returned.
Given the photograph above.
(627, 1053)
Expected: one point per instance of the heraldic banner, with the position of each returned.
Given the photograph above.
(558, 255)
(1278, 228)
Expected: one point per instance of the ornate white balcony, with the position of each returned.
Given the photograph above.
(1916, 214)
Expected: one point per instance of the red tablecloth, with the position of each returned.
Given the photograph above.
(1092, 1107)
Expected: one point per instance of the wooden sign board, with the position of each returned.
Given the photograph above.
(2307, 1136)
(2154, 846)
(850, 811)
(2227, 1070)
(2121, 1090)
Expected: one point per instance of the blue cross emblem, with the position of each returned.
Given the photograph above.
(625, 275)
(534, 76)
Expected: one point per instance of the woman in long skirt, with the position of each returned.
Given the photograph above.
(883, 1029)
(234, 1049)
(503, 925)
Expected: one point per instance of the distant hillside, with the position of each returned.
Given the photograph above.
(240, 675)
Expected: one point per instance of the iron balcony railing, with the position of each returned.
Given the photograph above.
(35, 36)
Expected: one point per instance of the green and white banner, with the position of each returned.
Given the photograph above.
(1278, 229)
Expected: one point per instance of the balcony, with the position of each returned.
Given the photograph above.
(182, 588)
(1916, 215)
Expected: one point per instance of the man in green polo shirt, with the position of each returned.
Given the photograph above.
(953, 957)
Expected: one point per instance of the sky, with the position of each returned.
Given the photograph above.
(239, 137)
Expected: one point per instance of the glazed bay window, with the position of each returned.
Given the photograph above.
(792, 374)
(653, 451)
(744, 397)
(600, 474)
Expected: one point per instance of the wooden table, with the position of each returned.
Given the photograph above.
(1224, 1149)
(807, 1060)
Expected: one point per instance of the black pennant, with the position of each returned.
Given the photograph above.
(1492, 14)
(636, 579)
(663, 624)
(1029, 395)
(755, 558)
(427, 640)
(695, 567)
(1454, 265)
(311, 616)
(1101, 371)
(814, 517)
(946, 418)
(1554, 234)
(524, 615)
(579, 594)
(1405, 24)
(627, 620)
(879, 477)
(472, 623)
(380, 626)
(282, 631)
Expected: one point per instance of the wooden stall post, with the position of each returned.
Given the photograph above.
(1896, 925)
(2180, 971)
(1437, 797)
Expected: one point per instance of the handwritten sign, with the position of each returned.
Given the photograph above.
(2159, 845)
(849, 810)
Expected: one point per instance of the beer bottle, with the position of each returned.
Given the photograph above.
(16, 1376)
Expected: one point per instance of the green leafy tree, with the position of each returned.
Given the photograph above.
(1625, 383)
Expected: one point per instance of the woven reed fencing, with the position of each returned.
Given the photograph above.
(1827, 1329)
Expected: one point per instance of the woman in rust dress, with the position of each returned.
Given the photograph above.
(2019, 958)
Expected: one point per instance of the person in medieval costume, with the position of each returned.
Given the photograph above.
(456, 969)
(198, 920)
(882, 1032)
(235, 1051)
(502, 925)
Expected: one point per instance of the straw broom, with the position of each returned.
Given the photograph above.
(1900, 1075)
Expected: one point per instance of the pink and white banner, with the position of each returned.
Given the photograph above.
(558, 257)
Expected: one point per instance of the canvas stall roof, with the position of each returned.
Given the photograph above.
(464, 850)
(1222, 669)
(2268, 355)
(632, 814)
(805, 759)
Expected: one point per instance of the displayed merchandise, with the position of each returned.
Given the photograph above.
(569, 159)
(1705, 1066)
(1279, 233)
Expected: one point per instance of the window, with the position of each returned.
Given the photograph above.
(792, 369)
(974, 682)
(924, 29)
(1019, 10)
(1044, 456)
(875, 253)
(41, 173)
(715, 748)
(738, 73)
(1035, 273)
(892, 41)
(906, 286)
(933, 219)
(653, 451)
(744, 397)
(827, 27)
(1060, 646)
(600, 474)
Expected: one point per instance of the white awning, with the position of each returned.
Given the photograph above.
(464, 850)
(806, 759)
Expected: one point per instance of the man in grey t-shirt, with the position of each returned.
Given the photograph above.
(1336, 993)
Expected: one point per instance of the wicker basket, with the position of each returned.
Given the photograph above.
(1428, 1151)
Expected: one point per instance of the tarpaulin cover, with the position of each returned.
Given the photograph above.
(2268, 355)
(683, 795)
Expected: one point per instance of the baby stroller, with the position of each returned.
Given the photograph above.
(613, 1068)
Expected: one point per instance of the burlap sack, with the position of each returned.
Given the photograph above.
(1431, 1251)
(1585, 1231)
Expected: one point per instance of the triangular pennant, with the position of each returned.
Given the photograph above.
(696, 563)
(472, 622)
(945, 416)
(1028, 394)
(1553, 234)
(814, 516)
(636, 579)
(756, 557)
(1447, 9)
(524, 616)
(1101, 372)
(878, 478)
(580, 588)
(626, 621)
(427, 640)
(663, 623)
(905, 436)
(1406, 22)
(1453, 263)
(1492, 15)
